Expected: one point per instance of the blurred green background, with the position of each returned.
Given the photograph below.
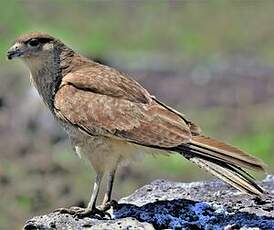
(212, 60)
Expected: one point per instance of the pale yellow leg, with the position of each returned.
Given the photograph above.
(94, 195)
(107, 196)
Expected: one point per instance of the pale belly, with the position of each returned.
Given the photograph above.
(104, 153)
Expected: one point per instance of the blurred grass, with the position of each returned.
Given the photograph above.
(194, 29)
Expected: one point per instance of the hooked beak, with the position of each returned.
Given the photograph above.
(15, 51)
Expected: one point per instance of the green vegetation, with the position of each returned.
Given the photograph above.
(197, 30)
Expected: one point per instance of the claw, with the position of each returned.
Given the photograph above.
(84, 212)
(91, 212)
(71, 210)
(108, 205)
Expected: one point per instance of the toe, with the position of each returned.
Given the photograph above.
(84, 213)
(71, 210)
(78, 212)
(114, 204)
(95, 212)
(111, 204)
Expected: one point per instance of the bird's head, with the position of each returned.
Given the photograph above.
(32, 46)
(36, 49)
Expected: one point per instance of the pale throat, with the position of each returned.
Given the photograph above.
(45, 73)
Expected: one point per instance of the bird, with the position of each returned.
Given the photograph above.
(110, 118)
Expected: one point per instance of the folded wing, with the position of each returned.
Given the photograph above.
(112, 105)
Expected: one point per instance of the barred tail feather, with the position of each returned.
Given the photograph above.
(223, 161)
(230, 175)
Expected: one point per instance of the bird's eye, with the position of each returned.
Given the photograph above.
(33, 43)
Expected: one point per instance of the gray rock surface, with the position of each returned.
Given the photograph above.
(172, 205)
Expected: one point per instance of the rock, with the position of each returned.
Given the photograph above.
(172, 205)
(58, 221)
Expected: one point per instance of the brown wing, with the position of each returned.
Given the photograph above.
(107, 81)
(118, 107)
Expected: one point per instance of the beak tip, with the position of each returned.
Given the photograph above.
(10, 54)
(14, 51)
(9, 57)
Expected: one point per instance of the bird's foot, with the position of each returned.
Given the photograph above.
(84, 212)
(108, 205)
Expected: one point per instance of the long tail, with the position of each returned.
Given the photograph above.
(223, 161)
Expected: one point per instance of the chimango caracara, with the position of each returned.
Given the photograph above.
(109, 117)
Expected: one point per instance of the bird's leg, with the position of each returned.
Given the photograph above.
(91, 209)
(107, 202)
(94, 195)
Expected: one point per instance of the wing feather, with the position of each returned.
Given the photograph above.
(107, 81)
(146, 124)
